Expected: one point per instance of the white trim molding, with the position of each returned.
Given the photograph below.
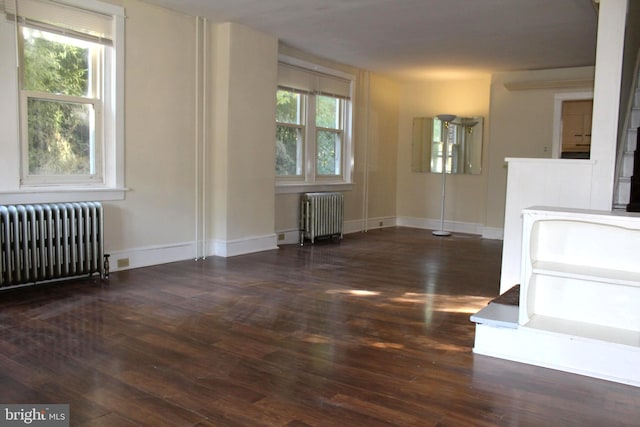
(151, 255)
(229, 248)
(434, 224)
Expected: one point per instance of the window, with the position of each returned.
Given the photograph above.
(70, 95)
(450, 135)
(313, 113)
(329, 135)
(61, 108)
(290, 131)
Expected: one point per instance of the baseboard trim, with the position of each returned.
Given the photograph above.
(493, 233)
(151, 255)
(434, 224)
(292, 236)
(229, 248)
(163, 254)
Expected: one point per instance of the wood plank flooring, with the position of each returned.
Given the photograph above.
(371, 331)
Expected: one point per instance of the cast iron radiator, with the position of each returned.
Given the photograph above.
(51, 241)
(321, 215)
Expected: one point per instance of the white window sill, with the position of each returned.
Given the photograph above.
(292, 188)
(29, 195)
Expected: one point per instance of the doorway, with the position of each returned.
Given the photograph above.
(576, 129)
(558, 129)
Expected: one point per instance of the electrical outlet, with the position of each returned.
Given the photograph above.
(380, 224)
(123, 262)
(280, 237)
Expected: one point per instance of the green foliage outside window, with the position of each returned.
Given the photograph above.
(288, 138)
(328, 142)
(58, 131)
(289, 133)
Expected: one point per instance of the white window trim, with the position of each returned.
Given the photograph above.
(113, 187)
(286, 185)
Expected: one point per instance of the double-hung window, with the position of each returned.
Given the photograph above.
(61, 107)
(69, 85)
(313, 127)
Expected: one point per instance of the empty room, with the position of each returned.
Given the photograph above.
(319, 212)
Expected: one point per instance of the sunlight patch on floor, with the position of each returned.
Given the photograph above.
(466, 304)
(380, 344)
(355, 292)
(317, 339)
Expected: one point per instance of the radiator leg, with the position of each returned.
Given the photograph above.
(105, 272)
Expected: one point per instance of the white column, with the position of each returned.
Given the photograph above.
(606, 99)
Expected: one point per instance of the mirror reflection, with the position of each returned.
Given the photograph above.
(462, 143)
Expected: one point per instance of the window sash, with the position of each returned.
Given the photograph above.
(95, 141)
(338, 167)
(96, 125)
(300, 107)
(300, 151)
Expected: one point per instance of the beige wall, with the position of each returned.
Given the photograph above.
(382, 149)
(521, 125)
(419, 193)
(155, 223)
(159, 131)
(243, 155)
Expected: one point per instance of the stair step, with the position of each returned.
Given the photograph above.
(623, 190)
(635, 117)
(627, 164)
(632, 138)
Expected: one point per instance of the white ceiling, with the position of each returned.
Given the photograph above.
(414, 39)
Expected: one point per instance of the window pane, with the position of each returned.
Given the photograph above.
(327, 112)
(289, 107)
(288, 150)
(329, 152)
(60, 137)
(56, 64)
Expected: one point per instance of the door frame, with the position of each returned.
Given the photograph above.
(558, 99)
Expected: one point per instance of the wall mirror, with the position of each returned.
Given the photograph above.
(463, 145)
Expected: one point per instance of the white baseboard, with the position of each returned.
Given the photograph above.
(434, 224)
(163, 254)
(493, 233)
(292, 236)
(289, 237)
(150, 255)
(229, 248)
(371, 224)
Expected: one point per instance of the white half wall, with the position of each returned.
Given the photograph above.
(539, 182)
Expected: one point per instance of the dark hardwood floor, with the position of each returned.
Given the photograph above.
(370, 331)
